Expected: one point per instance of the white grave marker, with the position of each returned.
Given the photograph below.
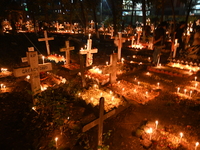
(89, 52)
(33, 70)
(46, 39)
(67, 52)
(118, 41)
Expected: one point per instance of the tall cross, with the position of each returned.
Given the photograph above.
(112, 68)
(89, 52)
(46, 39)
(99, 121)
(33, 70)
(118, 41)
(67, 52)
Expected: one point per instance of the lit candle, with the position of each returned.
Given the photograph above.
(156, 124)
(56, 140)
(195, 78)
(178, 89)
(110, 92)
(150, 132)
(113, 98)
(138, 83)
(196, 84)
(89, 36)
(196, 145)
(158, 84)
(190, 93)
(107, 63)
(181, 135)
(123, 90)
(79, 94)
(185, 90)
(101, 94)
(43, 59)
(118, 82)
(1, 86)
(146, 93)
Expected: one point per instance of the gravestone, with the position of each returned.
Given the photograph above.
(99, 121)
(33, 70)
(112, 68)
(46, 39)
(67, 52)
(118, 41)
(89, 52)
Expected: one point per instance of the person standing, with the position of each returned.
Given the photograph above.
(158, 41)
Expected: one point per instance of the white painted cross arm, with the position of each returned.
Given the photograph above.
(85, 51)
(28, 70)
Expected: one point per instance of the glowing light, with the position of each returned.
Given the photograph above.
(196, 145)
(178, 89)
(56, 140)
(181, 135)
(156, 124)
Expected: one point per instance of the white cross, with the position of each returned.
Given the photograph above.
(67, 52)
(118, 41)
(89, 52)
(46, 39)
(33, 70)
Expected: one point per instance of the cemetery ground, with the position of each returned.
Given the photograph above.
(22, 128)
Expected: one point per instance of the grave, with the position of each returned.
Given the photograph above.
(100, 120)
(46, 39)
(33, 70)
(89, 52)
(67, 52)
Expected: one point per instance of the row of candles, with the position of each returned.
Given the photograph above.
(150, 132)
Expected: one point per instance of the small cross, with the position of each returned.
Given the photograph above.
(112, 68)
(46, 39)
(67, 52)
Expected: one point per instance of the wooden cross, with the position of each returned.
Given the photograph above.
(89, 52)
(67, 52)
(175, 48)
(99, 121)
(118, 41)
(33, 70)
(81, 70)
(112, 68)
(46, 39)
